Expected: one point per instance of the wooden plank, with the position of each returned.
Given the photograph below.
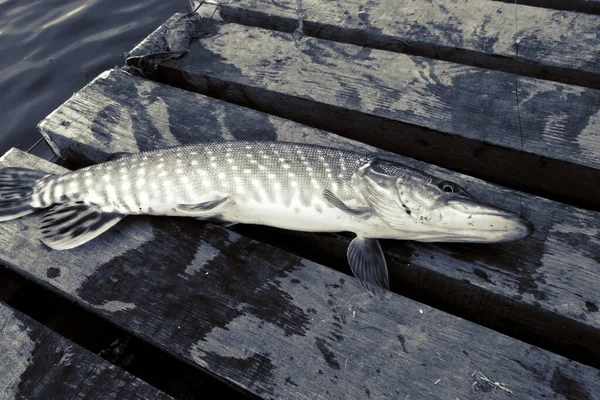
(461, 117)
(543, 288)
(168, 374)
(276, 324)
(532, 41)
(584, 6)
(37, 363)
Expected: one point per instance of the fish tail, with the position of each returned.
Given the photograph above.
(16, 190)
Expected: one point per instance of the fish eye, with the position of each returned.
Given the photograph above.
(448, 187)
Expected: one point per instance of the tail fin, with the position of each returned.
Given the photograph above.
(16, 188)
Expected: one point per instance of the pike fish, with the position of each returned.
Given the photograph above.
(286, 185)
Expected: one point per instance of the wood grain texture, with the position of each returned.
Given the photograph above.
(278, 325)
(532, 41)
(544, 287)
(585, 6)
(37, 363)
(462, 117)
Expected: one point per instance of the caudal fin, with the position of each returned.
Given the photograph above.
(16, 188)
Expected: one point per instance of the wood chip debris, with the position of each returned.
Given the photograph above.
(496, 385)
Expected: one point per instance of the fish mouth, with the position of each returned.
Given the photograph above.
(482, 223)
(511, 229)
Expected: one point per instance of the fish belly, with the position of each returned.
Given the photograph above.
(299, 218)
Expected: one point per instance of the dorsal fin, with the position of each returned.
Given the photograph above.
(118, 155)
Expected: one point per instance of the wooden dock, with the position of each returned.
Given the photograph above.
(503, 98)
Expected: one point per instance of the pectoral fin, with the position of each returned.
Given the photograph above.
(205, 209)
(339, 204)
(369, 267)
(217, 220)
(70, 225)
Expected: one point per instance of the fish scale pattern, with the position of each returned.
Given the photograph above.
(269, 173)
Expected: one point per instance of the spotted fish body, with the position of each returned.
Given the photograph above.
(286, 185)
(270, 183)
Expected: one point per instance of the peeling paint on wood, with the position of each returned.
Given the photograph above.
(37, 363)
(524, 281)
(461, 116)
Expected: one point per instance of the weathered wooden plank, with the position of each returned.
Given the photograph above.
(68, 319)
(532, 41)
(279, 325)
(543, 288)
(462, 117)
(585, 6)
(36, 363)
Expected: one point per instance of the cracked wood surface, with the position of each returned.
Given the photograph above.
(543, 287)
(257, 316)
(37, 363)
(458, 116)
(551, 44)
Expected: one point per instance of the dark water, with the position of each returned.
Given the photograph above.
(49, 49)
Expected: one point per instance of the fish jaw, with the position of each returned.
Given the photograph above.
(421, 207)
(467, 220)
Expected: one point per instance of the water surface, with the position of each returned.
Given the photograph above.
(52, 48)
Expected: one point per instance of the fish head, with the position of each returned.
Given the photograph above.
(426, 208)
